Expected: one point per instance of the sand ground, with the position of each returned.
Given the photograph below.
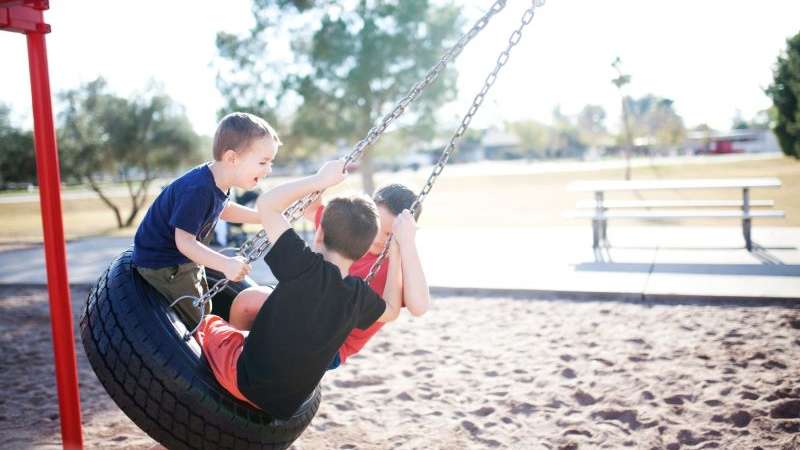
(488, 373)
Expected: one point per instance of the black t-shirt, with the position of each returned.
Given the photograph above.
(301, 326)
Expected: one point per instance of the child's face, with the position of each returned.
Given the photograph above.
(385, 229)
(255, 162)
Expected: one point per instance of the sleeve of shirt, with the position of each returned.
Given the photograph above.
(190, 209)
(290, 257)
(372, 307)
(318, 217)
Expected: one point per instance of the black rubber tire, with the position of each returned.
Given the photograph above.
(133, 342)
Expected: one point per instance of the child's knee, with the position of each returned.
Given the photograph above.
(246, 305)
(254, 295)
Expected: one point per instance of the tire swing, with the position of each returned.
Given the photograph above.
(135, 346)
(151, 367)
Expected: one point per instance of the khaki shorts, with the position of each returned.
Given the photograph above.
(174, 282)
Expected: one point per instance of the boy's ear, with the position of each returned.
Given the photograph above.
(319, 239)
(230, 156)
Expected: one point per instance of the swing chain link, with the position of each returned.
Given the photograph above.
(251, 250)
(421, 85)
(295, 211)
(502, 59)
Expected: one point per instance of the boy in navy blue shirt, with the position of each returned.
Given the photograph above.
(170, 248)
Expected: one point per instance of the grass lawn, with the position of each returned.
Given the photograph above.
(465, 197)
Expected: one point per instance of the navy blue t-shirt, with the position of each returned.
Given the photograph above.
(192, 203)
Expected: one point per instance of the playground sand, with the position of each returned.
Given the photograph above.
(488, 373)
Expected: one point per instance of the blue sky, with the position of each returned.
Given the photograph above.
(711, 57)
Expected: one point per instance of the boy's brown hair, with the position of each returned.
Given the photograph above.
(396, 198)
(236, 130)
(349, 225)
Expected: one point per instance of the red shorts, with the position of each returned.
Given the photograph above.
(221, 345)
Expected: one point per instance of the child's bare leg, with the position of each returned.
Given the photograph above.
(246, 305)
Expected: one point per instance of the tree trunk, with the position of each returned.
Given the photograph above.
(627, 163)
(140, 196)
(93, 185)
(137, 201)
(367, 173)
(628, 141)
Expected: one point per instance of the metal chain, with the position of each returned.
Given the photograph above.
(295, 211)
(251, 250)
(502, 59)
(258, 246)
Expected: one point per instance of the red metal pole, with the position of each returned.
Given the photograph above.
(47, 169)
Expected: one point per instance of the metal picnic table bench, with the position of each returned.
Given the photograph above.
(601, 211)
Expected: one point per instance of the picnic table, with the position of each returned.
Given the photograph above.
(600, 211)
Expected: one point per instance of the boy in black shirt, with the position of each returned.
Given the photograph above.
(316, 304)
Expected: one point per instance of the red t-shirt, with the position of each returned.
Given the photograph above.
(357, 338)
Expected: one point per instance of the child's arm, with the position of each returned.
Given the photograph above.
(272, 203)
(234, 268)
(415, 292)
(393, 291)
(237, 213)
(310, 213)
(405, 280)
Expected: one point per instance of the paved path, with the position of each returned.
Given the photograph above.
(644, 262)
(650, 262)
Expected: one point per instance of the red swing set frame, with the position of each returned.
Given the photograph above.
(27, 17)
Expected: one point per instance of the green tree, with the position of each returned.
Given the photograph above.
(564, 138)
(17, 154)
(655, 118)
(620, 82)
(785, 94)
(535, 137)
(761, 121)
(133, 141)
(739, 122)
(764, 119)
(591, 125)
(706, 132)
(350, 62)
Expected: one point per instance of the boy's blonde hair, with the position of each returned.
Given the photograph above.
(236, 130)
